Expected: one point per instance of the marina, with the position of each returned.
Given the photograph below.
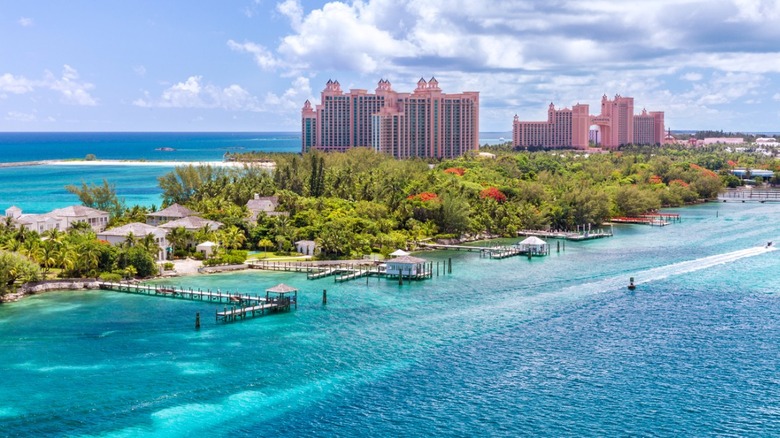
(750, 195)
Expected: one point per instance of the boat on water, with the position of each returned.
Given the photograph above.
(165, 149)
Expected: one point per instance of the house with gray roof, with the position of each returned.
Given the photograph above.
(171, 213)
(118, 235)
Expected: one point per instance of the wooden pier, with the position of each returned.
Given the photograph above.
(493, 252)
(182, 293)
(750, 195)
(567, 235)
(652, 219)
(347, 272)
(242, 305)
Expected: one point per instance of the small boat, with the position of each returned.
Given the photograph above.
(165, 149)
(631, 285)
(768, 244)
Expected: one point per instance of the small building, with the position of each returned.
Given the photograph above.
(282, 295)
(534, 246)
(264, 204)
(206, 248)
(407, 266)
(171, 213)
(306, 247)
(118, 235)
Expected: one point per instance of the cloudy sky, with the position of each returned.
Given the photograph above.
(248, 65)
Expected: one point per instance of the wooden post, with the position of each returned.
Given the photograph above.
(324, 297)
(197, 321)
(559, 246)
(449, 265)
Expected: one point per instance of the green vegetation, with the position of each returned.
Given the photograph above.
(357, 202)
(361, 202)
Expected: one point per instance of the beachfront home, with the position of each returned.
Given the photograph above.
(171, 213)
(406, 265)
(192, 223)
(265, 204)
(118, 235)
(398, 253)
(306, 247)
(59, 219)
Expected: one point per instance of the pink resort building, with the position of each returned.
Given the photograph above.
(423, 123)
(615, 126)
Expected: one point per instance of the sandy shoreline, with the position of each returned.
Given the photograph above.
(235, 164)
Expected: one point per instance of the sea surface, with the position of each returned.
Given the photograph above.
(554, 346)
(38, 189)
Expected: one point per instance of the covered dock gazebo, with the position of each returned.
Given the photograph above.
(534, 246)
(281, 294)
(399, 253)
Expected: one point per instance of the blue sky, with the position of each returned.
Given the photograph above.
(248, 65)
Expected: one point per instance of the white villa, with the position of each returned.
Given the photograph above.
(60, 219)
(118, 235)
(306, 247)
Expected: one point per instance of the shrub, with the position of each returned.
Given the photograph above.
(110, 277)
(90, 157)
(168, 266)
(198, 256)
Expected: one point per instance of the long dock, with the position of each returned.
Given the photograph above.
(750, 195)
(567, 235)
(182, 293)
(243, 305)
(493, 252)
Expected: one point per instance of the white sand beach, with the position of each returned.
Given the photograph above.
(155, 163)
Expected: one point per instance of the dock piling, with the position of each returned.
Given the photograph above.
(197, 321)
(324, 297)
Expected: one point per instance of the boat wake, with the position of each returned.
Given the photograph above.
(663, 272)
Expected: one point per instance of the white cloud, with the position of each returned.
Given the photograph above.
(192, 93)
(16, 116)
(73, 90)
(139, 70)
(691, 76)
(25, 22)
(16, 84)
(776, 96)
(292, 99)
(262, 56)
(293, 10)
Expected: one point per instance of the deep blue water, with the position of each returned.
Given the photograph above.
(555, 346)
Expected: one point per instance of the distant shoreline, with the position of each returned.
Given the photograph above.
(169, 163)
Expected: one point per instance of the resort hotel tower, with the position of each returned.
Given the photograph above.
(423, 123)
(616, 125)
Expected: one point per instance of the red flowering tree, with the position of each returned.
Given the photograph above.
(455, 171)
(424, 197)
(492, 192)
(678, 182)
(655, 179)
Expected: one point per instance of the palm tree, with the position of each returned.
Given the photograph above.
(179, 237)
(149, 243)
(232, 237)
(129, 240)
(265, 243)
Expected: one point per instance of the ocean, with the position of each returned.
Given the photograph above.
(38, 189)
(554, 346)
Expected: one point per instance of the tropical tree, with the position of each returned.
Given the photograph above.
(15, 268)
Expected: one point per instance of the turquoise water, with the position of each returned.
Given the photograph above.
(39, 189)
(555, 346)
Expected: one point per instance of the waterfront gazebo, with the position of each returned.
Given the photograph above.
(534, 246)
(407, 266)
(399, 253)
(281, 294)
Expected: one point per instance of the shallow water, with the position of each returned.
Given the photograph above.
(554, 346)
